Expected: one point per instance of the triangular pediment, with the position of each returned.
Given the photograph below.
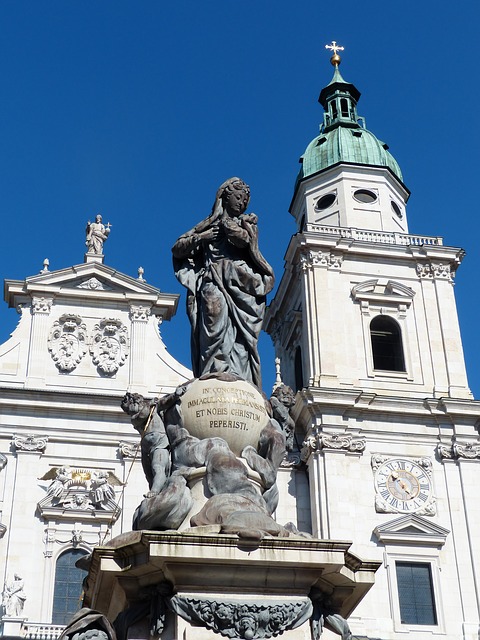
(90, 276)
(411, 529)
(91, 281)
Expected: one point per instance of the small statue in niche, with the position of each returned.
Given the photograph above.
(14, 598)
(97, 233)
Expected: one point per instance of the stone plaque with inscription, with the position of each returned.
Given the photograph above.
(234, 411)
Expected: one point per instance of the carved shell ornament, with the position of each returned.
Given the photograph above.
(110, 346)
(67, 342)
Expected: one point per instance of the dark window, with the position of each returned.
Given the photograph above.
(344, 107)
(387, 344)
(67, 596)
(415, 593)
(396, 209)
(334, 109)
(298, 369)
(325, 201)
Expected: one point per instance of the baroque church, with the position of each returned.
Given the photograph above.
(378, 484)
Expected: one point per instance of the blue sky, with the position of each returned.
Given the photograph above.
(140, 109)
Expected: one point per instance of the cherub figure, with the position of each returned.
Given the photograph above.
(282, 400)
(156, 461)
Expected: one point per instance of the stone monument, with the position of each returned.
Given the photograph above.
(205, 547)
(225, 444)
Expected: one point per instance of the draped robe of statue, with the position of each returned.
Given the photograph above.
(227, 279)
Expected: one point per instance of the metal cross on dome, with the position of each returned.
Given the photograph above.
(334, 47)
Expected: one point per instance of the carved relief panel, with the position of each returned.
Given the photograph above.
(79, 490)
(67, 342)
(110, 346)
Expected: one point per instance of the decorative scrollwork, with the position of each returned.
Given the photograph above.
(334, 441)
(466, 450)
(128, 449)
(316, 258)
(139, 313)
(30, 442)
(437, 270)
(445, 452)
(41, 305)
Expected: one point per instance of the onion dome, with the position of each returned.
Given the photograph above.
(343, 135)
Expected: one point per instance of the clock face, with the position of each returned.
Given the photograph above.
(403, 484)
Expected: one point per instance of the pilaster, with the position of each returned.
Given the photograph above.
(140, 317)
(37, 358)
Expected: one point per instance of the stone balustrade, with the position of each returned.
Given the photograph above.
(41, 631)
(367, 235)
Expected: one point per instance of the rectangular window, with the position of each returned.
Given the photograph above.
(415, 593)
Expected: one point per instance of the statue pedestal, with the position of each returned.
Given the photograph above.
(11, 627)
(220, 584)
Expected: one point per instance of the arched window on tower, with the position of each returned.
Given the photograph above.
(387, 344)
(334, 109)
(298, 369)
(67, 595)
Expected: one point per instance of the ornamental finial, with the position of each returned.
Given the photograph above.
(334, 47)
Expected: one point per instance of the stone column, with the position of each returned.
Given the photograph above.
(37, 358)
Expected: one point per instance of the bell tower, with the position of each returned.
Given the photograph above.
(363, 304)
(365, 324)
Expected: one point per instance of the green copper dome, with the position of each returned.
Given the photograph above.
(343, 136)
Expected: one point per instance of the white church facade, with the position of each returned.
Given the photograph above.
(387, 450)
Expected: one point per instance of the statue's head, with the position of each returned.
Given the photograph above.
(285, 395)
(98, 218)
(235, 196)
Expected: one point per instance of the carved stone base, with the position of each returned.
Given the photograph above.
(236, 588)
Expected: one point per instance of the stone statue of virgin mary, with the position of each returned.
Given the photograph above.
(227, 279)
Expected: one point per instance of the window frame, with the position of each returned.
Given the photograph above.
(403, 599)
(61, 553)
(431, 558)
(394, 300)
